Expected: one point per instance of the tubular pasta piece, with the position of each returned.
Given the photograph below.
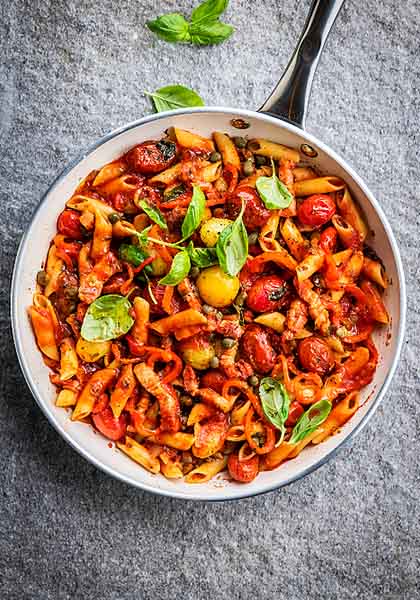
(227, 149)
(274, 320)
(171, 470)
(373, 270)
(267, 236)
(295, 241)
(124, 183)
(185, 318)
(44, 326)
(349, 237)
(102, 236)
(69, 362)
(139, 454)
(375, 303)
(211, 172)
(169, 175)
(351, 213)
(319, 185)
(310, 264)
(53, 268)
(281, 258)
(199, 412)
(339, 415)
(179, 440)
(168, 401)
(236, 433)
(140, 330)
(82, 203)
(187, 139)
(124, 388)
(239, 413)
(66, 398)
(302, 173)
(274, 458)
(110, 171)
(207, 470)
(273, 150)
(93, 389)
(91, 284)
(212, 398)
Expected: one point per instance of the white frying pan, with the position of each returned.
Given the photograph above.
(281, 119)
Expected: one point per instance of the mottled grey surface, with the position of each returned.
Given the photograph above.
(69, 72)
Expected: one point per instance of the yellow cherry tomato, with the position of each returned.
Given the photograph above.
(211, 229)
(216, 287)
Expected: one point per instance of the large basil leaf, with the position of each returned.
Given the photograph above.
(107, 318)
(202, 257)
(153, 213)
(310, 420)
(275, 402)
(180, 268)
(172, 97)
(232, 246)
(171, 28)
(273, 192)
(132, 254)
(210, 10)
(194, 214)
(206, 34)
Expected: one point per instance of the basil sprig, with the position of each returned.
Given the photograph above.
(172, 97)
(153, 213)
(180, 268)
(204, 28)
(132, 254)
(202, 257)
(275, 402)
(194, 214)
(273, 192)
(310, 420)
(232, 246)
(107, 318)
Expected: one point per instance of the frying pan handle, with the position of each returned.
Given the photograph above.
(289, 99)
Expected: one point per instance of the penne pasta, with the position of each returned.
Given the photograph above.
(351, 213)
(374, 270)
(96, 385)
(303, 173)
(206, 471)
(274, 320)
(295, 241)
(110, 171)
(43, 321)
(69, 363)
(187, 139)
(339, 415)
(53, 269)
(319, 185)
(66, 398)
(273, 150)
(227, 149)
(140, 454)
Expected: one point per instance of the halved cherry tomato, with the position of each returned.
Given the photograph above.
(255, 215)
(257, 349)
(152, 157)
(213, 379)
(244, 471)
(267, 293)
(296, 410)
(68, 224)
(108, 425)
(328, 240)
(315, 355)
(316, 210)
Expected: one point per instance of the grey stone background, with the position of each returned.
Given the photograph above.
(73, 70)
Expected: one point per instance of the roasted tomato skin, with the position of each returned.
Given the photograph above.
(267, 293)
(315, 355)
(68, 224)
(255, 214)
(158, 291)
(243, 471)
(328, 240)
(257, 349)
(316, 210)
(151, 157)
(213, 379)
(296, 410)
(108, 425)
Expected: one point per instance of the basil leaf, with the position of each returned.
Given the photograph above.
(202, 257)
(154, 214)
(275, 402)
(194, 214)
(180, 268)
(172, 97)
(232, 246)
(132, 254)
(205, 34)
(171, 28)
(107, 318)
(142, 236)
(174, 192)
(310, 420)
(210, 10)
(273, 192)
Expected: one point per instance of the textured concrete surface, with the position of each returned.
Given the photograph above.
(72, 70)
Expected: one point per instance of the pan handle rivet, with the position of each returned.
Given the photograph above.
(307, 150)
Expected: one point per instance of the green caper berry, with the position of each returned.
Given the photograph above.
(253, 238)
(214, 363)
(208, 309)
(253, 380)
(248, 167)
(215, 157)
(195, 272)
(42, 278)
(228, 342)
(260, 160)
(239, 141)
(114, 218)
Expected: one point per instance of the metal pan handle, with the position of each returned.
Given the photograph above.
(289, 99)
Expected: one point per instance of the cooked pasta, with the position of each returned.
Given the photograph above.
(202, 318)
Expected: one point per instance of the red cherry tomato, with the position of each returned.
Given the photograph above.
(110, 426)
(316, 210)
(296, 410)
(213, 379)
(328, 240)
(257, 349)
(244, 471)
(315, 355)
(255, 214)
(151, 157)
(267, 294)
(69, 224)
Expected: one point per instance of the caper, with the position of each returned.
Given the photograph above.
(113, 218)
(253, 238)
(208, 309)
(215, 157)
(71, 291)
(260, 160)
(195, 272)
(42, 278)
(248, 167)
(239, 141)
(214, 363)
(253, 380)
(228, 342)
